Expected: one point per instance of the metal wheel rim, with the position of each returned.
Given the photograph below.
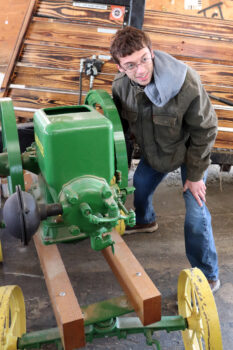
(12, 316)
(196, 303)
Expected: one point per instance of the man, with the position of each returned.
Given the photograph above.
(171, 117)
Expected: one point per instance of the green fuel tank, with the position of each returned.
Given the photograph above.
(73, 141)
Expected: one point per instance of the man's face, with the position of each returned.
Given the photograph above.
(138, 66)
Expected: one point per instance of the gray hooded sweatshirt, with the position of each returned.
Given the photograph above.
(168, 78)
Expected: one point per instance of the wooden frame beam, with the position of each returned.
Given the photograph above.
(64, 302)
(140, 290)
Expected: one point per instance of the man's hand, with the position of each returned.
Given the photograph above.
(198, 190)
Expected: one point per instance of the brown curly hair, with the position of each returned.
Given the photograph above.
(128, 40)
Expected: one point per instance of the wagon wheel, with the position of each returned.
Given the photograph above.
(196, 304)
(10, 142)
(12, 317)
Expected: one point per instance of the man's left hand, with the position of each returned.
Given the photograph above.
(198, 190)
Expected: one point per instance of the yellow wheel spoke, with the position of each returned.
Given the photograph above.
(195, 309)
(192, 337)
(199, 338)
(188, 303)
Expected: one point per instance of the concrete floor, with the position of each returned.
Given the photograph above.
(161, 254)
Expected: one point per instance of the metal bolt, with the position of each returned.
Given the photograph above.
(106, 192)
(71, 196)
(73, 200)
(26, 210)
(74, 230)
(62, 294)
(138, 273)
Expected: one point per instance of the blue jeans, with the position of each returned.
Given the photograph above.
(199, 240)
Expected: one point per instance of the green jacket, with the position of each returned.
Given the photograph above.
(182, 131)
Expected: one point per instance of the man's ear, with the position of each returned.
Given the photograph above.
(152, 53)
(120, 68)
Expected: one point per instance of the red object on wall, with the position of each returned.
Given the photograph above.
(117, 13)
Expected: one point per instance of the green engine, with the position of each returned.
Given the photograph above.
(82, 166)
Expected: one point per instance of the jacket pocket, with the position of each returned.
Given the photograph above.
(165, 120)
(168, 131)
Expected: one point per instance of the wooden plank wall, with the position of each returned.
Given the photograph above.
(17, 47)
(206, 45)
(60, 34)
(208, 8)
(11, 18)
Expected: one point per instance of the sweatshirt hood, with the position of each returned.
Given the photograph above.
(169, 76)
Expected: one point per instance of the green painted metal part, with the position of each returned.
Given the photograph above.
(35, 340)
(88, 206)
(52, 232)
(76, 156)
(80, 156)
(29, 159)
(4, 167)
(119, 327)
(101, 320)
(91, 206)
(106, 310)
(10, 141)
(104, 100)
(29, 162)
(73, 141)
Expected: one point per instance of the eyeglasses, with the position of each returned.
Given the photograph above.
(131, 66)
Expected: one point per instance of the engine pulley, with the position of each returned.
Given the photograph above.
(22, 215)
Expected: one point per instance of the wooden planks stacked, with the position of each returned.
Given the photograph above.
(11, 18)
(209, 8)
(60, 34)
(206, 45)
(14, 22)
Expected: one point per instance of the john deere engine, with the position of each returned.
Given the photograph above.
(82, 165)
